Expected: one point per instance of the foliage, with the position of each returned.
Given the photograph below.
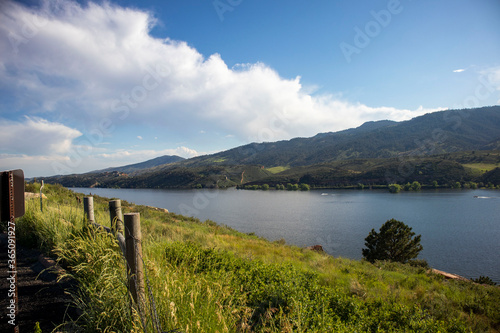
(95, 263)
(484, 280)
(207, 278)
(416, 186)
(394, 242)
(304, 187)
(394, 188)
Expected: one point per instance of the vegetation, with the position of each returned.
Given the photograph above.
(484, 280)
(394, 188)
(207, 278)
(394, 242)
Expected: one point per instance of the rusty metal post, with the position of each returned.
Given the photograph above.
(12, 246)
(12, 206)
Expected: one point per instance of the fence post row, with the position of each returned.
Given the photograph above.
(131, 245)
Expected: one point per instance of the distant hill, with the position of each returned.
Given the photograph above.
(162, 160)
(447, 147)
(433, 133)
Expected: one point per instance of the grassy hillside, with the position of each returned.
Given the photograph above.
(210, 278)
(434, 133)
(445, 169)
(138, 167)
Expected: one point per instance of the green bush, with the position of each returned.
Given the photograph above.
(484, 280)
(304, 187)
(394, 188)
(394, 242)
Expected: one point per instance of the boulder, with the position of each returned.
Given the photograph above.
(317, 248)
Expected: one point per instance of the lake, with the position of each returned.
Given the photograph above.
(460, 228)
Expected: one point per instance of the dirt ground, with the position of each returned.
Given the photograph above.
(41, 298)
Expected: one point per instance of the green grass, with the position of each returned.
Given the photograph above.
(210, 278)
(277, 169)
(218, 160)
(480, 167)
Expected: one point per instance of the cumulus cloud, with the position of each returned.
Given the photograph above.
(36, 136)
(459, 70)
(99, 61)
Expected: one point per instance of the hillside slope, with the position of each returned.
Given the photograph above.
(137, 167)
(433, 133)
(428, 148)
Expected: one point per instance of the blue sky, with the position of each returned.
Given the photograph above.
(88, 85)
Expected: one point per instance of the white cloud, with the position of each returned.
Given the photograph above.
(97, 64)
(36, 136)
(33, 166)
(78, 161)
(459, 70)
(99, 61)
(489, 83)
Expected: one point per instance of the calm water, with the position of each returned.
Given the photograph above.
(460, 233)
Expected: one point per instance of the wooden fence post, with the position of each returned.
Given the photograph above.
(88, 208)
(115, 213)
(41, 198)
(133, 256)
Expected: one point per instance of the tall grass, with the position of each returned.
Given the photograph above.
(208, 278)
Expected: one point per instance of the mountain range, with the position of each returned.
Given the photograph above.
(446, 146)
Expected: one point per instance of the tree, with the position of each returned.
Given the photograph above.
(304, 187)
(416, 186)
(394, 242)
(394, 188)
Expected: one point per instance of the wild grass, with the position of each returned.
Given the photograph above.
(278, 169)
(480, 168)
(209, 278)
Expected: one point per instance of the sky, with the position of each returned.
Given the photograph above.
(89, 85)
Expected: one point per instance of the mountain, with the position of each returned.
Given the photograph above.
(447, 147)
(162, 160)
(433, 133)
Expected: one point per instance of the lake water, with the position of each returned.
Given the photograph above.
(460, 228)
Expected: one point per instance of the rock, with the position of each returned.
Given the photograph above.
(30, 195)
(317, 248)
(450, 276)
(158, 209)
